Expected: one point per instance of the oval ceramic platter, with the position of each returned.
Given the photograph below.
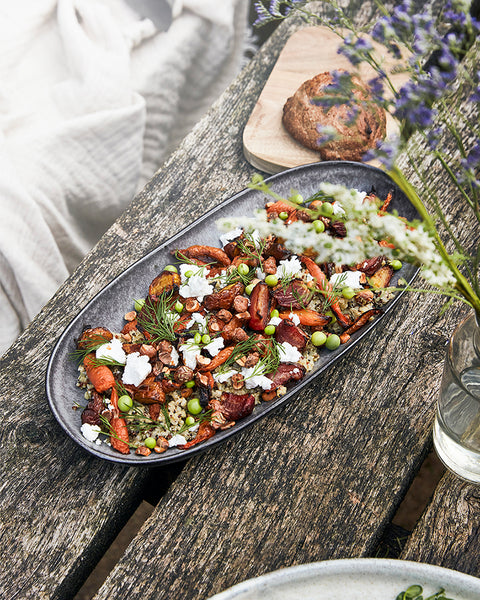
(355, 579)
(109, 306)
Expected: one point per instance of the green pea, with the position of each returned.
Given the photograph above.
(243, 269)
(178, 306)
(150, 442)
(297, 198)
(327, 209)
(125, 403)
(188, 273)
(193, 406)
(189, 421)
(271, 280)
(274, 313)
(333, 342)
(197, 338)
(171, 268)
(190, 384)
(319, 226)
(283, 216)
(348, 292)
(139, 304)
(318, 338)
(269, 329)
(396, 264)
(249, 289)
(206, 339)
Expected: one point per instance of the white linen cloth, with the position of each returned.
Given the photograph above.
(93, 97)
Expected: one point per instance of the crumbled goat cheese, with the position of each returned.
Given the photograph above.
(176, 440)
(289, 353)
(136, 370)
(90, 432)
(347, 279)
(190, 351)
(230, 235)
(175, 357)
(112, 350)
(195, 286)
(294, 318)
(222, 377)
(275, 321)
(259, 274)
(289, 266)
(337, 208)
(200, 319)
(258, 380)
(214, 347)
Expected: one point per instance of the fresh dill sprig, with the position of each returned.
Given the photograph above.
(184, 259)
(112, 433)
(206, 416)
(107, 362)
(87, 346)
(157, 318)
(267, 348)
(121, 389)
(166, 416)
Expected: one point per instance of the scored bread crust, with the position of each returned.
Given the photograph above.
(301, 117)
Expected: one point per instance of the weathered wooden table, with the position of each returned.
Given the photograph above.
(319, 479)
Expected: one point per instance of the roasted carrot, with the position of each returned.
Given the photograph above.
(316, 272)
(100, 376)
(119, 431)
(218, 360)
(308, 317)
(205, 431)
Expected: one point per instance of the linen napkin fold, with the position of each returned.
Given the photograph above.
(95, 95)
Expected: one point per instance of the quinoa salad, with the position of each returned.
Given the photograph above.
(222, 330)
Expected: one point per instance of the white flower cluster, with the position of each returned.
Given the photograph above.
(365, 228)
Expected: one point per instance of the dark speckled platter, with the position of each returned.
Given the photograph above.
(109, 306)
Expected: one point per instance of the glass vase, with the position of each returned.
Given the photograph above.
(456, 432)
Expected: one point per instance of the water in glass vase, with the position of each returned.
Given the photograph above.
(456, 432)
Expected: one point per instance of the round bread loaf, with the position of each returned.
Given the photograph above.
(301, 117)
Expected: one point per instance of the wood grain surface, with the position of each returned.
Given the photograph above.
(267, 145)
(321, 478)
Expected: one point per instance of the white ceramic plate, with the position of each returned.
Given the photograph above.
(354, 579)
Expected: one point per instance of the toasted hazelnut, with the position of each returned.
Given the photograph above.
(270, 265)
(162, 445)
(143, 451)
(130, 316)
(164, 346)
(237, 381)
(239, 335)
(243, 316)
(203, 361)
(240, 304)
(183, 374)
(192, 305)
(148, 350)
(252, 359)
(224, 315)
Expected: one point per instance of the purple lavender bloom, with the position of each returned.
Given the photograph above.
(433, 137)
(355, 50)
(470, 167)
(386, 152)
(327, 134)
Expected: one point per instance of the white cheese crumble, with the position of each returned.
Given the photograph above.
(260, 274)
(190, 351)
(222, 377)
(275, 321)
(136, 370)
(257, 380)
(294, 318)
(337, 208)
(347, 279)
(289, 353)
(230, 235)
(175, 357)
(90, 432)
(289, 267)
(113, 351)
(176, 440)
(200, 319)
(214, 347)
(195, 286)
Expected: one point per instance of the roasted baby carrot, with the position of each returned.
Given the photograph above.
(310, 318)
(218, 360)
(100, 376)
(119, 431)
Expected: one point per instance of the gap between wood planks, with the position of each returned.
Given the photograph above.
(407, 515)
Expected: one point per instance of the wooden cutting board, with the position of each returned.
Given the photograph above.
(266, 143)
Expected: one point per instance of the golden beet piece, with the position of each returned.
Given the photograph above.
(382, 277)
(167, 281)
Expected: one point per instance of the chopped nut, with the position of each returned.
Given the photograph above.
(165, 358)
(183, 374)
(148, 350)
(270, 265)
(215, 325)
(240, 304)
(203, 361)
(143, 451)
(165, 346)
(241, 360)
(162, 445)
(239, 335)
(224, 315)
(192, 305)
(252, 359)
(130, 316)
(127, 337)
(237, 381)
(243, 316)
